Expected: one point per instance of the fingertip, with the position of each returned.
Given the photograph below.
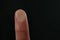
(20, 14)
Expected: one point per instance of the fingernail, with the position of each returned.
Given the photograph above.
(20, 15)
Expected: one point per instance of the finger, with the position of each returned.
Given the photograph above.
(21, 25)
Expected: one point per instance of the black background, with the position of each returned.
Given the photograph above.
(43, 17)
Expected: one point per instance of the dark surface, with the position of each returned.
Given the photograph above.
(43, 16)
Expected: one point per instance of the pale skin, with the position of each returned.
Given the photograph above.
(21, 25)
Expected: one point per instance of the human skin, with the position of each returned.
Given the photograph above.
(21, 25)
